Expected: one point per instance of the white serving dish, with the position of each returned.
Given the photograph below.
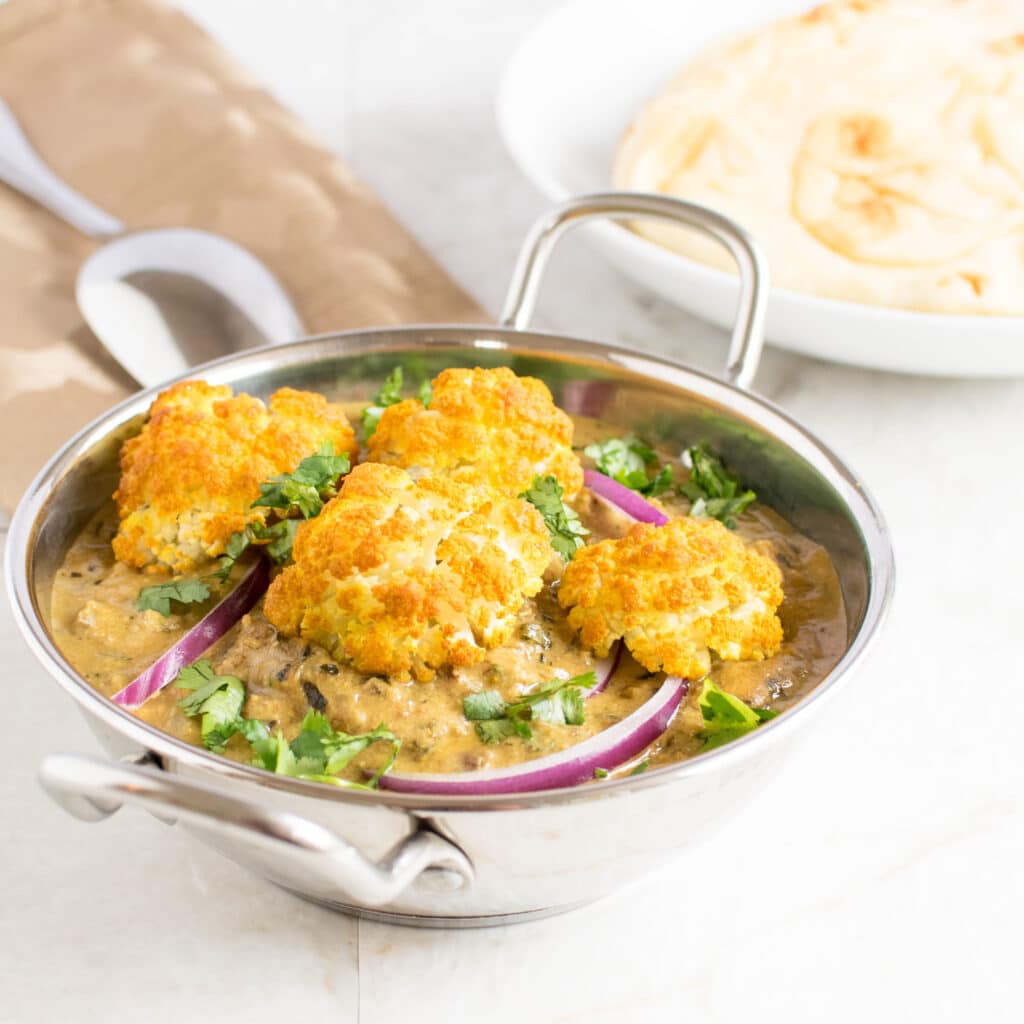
(567, 95)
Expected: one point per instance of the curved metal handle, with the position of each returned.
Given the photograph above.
(748, 330)
(22, 168)
(91, 788)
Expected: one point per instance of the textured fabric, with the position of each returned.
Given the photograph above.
(138, 110)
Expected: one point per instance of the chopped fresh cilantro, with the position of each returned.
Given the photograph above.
(641, 768)
(626, 460)
(301, 493)
(276, 539)
(727, 717)
(390, 393)
(236, 546)
(319, 752)
(559, 702)
(501, 729)
(218, 699)
(158, 597)
(479, 707)
(280, 537)
(601, 773)
(567, 532)
(307, 488)
(712, 489)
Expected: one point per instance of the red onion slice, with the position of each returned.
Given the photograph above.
(569, 767)
(605, 669)
(204, 633)
(634, 505)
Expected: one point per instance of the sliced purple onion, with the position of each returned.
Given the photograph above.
(634, 505)
(605, 669)
(587, 397)
(204, 633)
(570, 767)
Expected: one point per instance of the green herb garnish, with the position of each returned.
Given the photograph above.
(626, 460)
(307, 488)
(279, 538)
(559, 702)
(564, 526)
(319, 752)
(303, 492)
(726, 717)
(601, 773)
(238, 543)
(217, 698)
(390, 393)
(712, 489)
(158, 597)
(641, 768)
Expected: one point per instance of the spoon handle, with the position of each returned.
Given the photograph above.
(22, 168)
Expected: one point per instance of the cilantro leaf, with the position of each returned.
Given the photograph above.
(273, 753)
(712, 489)
(280, 537)
(390, 393)
(563, 707)
(496, 731)
(236, 546)
(304, 491)
(564, 526)
(308, 486)
(660, 484)
(319, 752)
(217, 698)
(726, 717)
(479, 707)
(158, 597)
(559, 702)
(626, 460)
(641, 768)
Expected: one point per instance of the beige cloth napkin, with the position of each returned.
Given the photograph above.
(137, 109)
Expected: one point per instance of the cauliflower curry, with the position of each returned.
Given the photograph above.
(444, 567)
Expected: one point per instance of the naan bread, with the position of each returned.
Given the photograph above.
(875, 147)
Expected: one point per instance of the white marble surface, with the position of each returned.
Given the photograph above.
(881, 879)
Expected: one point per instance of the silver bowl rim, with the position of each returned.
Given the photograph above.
(868, 518)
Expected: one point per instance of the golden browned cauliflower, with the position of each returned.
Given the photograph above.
(400, 577)
(482, 427)
(189, 477)
(675, 593)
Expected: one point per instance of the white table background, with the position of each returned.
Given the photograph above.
(882, 876)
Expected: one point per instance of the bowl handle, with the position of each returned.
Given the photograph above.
(748, 330)
(92, 788)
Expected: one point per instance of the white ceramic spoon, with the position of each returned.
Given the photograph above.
(159, 300)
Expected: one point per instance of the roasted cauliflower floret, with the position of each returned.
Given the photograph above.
(400, 577)
(189, 477)
(485, 427)
(675, 593)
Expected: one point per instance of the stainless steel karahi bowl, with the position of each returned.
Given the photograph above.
(467, 860)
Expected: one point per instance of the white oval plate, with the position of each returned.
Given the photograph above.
(566, 97)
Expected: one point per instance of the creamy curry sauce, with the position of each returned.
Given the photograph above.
(96, 626)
